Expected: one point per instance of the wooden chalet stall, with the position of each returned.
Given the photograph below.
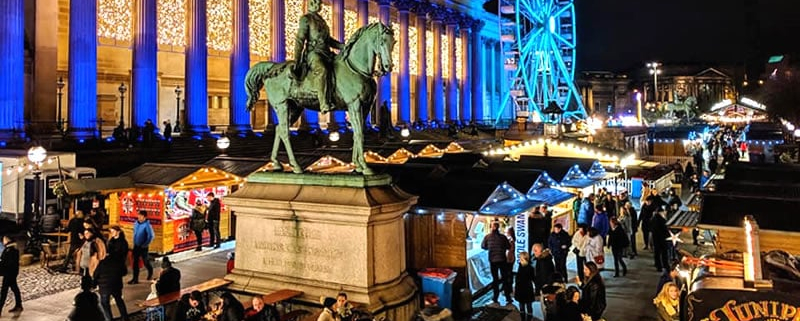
(167, 192)
(768, 192)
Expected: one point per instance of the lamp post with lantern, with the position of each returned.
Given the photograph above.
(36, 155)
(59, 121)
(653, 67)
(122, 89)
(178, 92)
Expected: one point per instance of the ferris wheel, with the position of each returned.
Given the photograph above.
(538, 38)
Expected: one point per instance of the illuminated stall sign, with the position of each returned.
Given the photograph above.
(741, 305)
(132, 203)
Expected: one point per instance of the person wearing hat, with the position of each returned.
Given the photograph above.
(170, 279)
(328, 309)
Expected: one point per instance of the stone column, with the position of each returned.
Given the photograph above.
(362, 7)
(12, 62)
(476, 46)
(144, 83)
(82, 91)
(437, 91)
(452, 78)
(385, 82)
(421, 10)
(337, 118)
(196, 69)
(465, 100)
(404, 73)
(278, 46)
(240, 64)
(45, 75)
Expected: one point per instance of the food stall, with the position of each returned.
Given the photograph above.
(167, 192)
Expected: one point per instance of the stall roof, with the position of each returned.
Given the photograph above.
(167, 175)
(786, 173)
(729, 210)
(93, 185)
(550, 196)
(506, 200)
(240, 166)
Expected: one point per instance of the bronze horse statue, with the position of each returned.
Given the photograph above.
(354, 89)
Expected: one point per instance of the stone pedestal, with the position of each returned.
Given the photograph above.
(322, 234)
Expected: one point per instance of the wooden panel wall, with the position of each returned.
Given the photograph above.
(731, 239)
(433, 241)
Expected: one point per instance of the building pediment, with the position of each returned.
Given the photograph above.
(712, 73)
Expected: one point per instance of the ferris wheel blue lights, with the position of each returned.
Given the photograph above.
(539, 54)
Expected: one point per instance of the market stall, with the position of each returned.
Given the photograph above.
(167, 192)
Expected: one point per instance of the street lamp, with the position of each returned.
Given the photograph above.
(653, 66)
(60, 122)
(36, 155)
(178, 92)
(223, 143)
(122, 89)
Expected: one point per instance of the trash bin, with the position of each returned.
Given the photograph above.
(440, 282)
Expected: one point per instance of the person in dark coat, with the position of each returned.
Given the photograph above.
(190, 308)
(212, 217)
(497, 244)
(108, 277)
(167, 129)
(658, 227)
(645, 215)
(232, 309)
(75, 228)
(570, 311)
(170, 279)
(673, 202)
(523, 286)
(543, 267)
(198, 223)
(261, 312)
(538, 227)
(87, 304)
(593, 292)
(559, 243)
(117, 248)
(9, 268)
(618, 240)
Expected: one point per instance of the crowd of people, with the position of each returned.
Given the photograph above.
(604, 221)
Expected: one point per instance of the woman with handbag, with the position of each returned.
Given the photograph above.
(594, 248)
(198, 223)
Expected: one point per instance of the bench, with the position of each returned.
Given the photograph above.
(278, 297)
(155, 307)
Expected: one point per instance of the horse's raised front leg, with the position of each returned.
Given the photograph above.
(283, 132)
(357, 120)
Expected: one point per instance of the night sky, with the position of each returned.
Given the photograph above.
(628, 33)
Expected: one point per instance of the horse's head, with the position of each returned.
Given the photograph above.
(383, 44)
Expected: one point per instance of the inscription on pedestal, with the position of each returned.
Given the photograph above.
(316, 251)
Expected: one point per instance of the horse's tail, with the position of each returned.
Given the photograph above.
(254, 80)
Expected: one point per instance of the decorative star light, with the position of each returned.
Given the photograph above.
(675, 238)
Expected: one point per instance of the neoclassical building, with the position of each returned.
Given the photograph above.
(204, 48)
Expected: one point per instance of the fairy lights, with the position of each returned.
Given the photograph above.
(220, 25)
(171, 22)
(25, 166)
(260, 30)
(601, 155)
(429, 53)
(412, 51)
(459, 44)
(293, 12)
(445, 57)
(350, 23)
(114, 19)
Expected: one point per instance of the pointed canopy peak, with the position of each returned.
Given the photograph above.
(544, 181)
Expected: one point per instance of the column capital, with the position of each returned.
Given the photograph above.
(383, 2)
(421, 8)
(438, 14)
(452, 18)
(405, 5)
(465, 23)
(476, 24)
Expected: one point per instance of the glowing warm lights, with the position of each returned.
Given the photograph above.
(219, 25)
(260, 28)
(459, 48)
(445, 57)
(293, 12)
(412, 51)
(429, 53)
(171, 22)
(114, 19)
(598, 154)
(350, 23)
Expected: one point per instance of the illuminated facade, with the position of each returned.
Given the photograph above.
(122, 41)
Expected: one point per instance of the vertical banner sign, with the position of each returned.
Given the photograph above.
(521, 229)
